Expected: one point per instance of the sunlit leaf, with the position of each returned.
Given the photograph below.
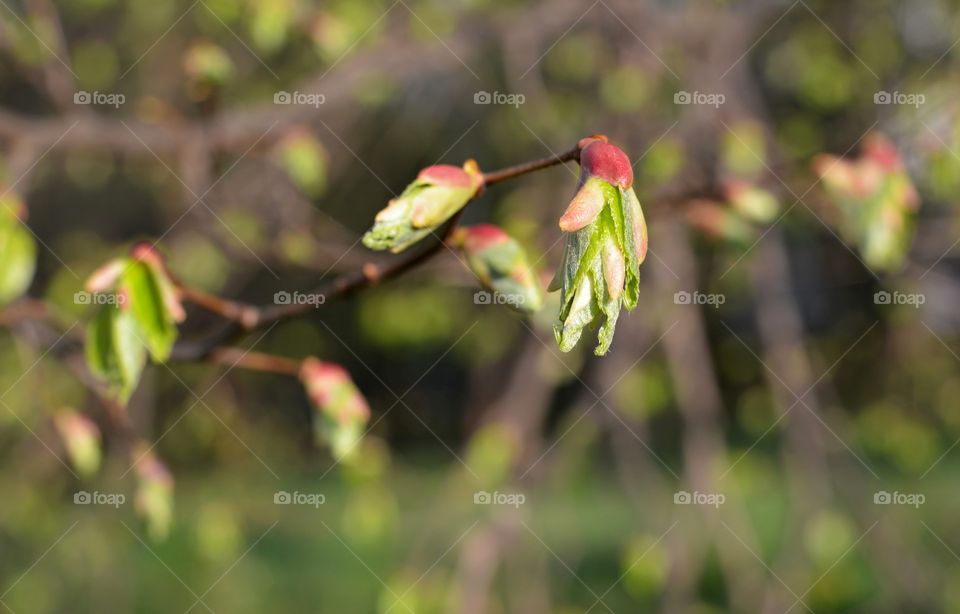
(145, 299)
(114, 351)
(153, 499)
(81, 438)
(304, 159)
(18, 254)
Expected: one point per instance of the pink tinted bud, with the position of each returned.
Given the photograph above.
(105, 277)
(333, 392)
(145, 252)
(151, 469)
(81, 438)
(482, 236)
(320, 378)
(735, 188)
(149, 255)
(584, 208)
(447, 175)
(608, 162)
(835, 172)
(878, 149)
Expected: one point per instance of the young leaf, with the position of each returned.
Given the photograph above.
(114, 351)
(342, 412)
(303, 158)
(143, 292)
(153, 499)
(18, 253)
(81, 438)
(437, 193)
(501, 265)
(606, 241)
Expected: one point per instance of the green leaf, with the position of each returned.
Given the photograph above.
(18, 253)
(114, 351)
(305, 161)
(144, 292)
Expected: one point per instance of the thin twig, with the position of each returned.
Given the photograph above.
(245, 317)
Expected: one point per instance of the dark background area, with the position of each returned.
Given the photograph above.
(691, 398)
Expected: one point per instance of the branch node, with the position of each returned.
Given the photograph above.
(371, 272)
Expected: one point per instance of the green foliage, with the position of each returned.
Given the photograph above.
(874, 201)
(139, 317)
(81, 438)
(141, 288)
(114, 350)
(600, 273)
(18, 251)
(501, 265)
(304, 159)
(432, 199)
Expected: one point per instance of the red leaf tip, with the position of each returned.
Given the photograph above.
(608, 162)
(448, 175)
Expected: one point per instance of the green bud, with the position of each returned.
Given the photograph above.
(437, 194)
(153, 499)
(342, 412)
(754, 203)
(721, 223)
(873, 201)
(81, 438)
(607, 241)
(501, 265)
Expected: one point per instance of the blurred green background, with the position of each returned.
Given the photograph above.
(257, 139)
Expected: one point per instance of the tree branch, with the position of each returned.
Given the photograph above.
(244, 317)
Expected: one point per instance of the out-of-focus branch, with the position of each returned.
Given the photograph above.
(238, 129)
(57, 76)
(255, 361)
(700, 403)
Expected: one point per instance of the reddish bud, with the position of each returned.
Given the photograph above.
(480, 236)
(608, 162)
(154, 495)
(81, 438)
(501, 265)
(878, 149)
(447, 175)
(332, 391)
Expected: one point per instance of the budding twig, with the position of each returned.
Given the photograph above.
(244, 317)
